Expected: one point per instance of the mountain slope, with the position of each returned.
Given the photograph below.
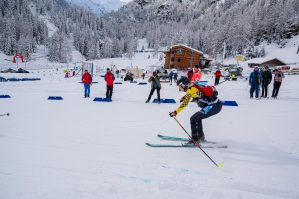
(99, 6)
(206, 25)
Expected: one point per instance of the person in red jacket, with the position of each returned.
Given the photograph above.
(109, 78)
(87, 81)
(217, 76)
(196, 76)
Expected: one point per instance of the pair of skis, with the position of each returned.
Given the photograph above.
(207, 144)
(197, 145)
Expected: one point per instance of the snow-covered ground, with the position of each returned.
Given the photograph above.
(39, 60)
(77, 148)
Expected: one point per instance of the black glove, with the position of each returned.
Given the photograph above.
(173, 114)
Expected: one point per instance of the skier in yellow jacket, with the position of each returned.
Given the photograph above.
(205, 97)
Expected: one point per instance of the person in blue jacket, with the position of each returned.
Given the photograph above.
(255, 80)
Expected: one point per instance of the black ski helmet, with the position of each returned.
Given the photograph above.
(183, 82)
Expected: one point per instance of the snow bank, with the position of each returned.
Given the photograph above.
(77, 148)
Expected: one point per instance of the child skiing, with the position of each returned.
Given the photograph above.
(206, 98)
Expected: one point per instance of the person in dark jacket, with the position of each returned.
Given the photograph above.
(277, 82)
(170, 77)
(217, 76)
(267, 78)
(87, 81)
(175, 76)
(155, 85)
(190, 74)
(254, 82)
(109, 78)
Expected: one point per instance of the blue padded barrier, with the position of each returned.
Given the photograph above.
(55, 98)
(165, 101)
(142, 83)
(229, 103)
(99, 99)
(5, 96)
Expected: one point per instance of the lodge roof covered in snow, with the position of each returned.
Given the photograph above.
(265, 61)
(185, 46)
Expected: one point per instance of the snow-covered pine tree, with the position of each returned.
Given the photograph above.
(59, 48)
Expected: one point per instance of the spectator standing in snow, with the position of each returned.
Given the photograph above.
(277, 82)
(267, 78)
(254, 82)
(196, 76)
(117, 73)
(87, 81)
(217, 76)
(109, 78)
(170, 77)
(190, 74)
(155, 85)
(175, 76)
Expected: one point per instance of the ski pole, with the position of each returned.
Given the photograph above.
(197, 144)
(221, 82)
(5, 114)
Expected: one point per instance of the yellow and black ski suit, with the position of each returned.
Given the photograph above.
(210, 106)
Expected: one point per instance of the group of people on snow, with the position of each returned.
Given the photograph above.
(173, 75)
(205, 96)
(262, 78)
(87, 81)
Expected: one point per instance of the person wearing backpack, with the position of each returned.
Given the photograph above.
(109, 78)
(206, 98)
(87, 81)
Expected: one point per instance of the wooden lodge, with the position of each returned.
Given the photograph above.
(262, 62)
(182, 57)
